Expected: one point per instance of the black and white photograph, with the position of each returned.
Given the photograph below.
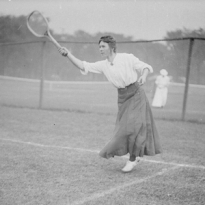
(102, 102)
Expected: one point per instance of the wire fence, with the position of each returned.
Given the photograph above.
(36, 68)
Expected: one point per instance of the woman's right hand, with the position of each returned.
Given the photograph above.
(63, 51)
(77, 62)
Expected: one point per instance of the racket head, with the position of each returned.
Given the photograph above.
(37, 24)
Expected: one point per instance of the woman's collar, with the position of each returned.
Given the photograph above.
(112, 61)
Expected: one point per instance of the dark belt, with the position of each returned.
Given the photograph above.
(136, 84)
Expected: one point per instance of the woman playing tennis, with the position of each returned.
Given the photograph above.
(135, 131)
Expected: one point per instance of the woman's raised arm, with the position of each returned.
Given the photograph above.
(77, 62)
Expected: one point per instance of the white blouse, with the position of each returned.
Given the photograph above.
(122, 72)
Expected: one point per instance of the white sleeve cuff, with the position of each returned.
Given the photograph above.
(149, 68)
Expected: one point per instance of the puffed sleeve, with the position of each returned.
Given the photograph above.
(140, 65)
(96, 67)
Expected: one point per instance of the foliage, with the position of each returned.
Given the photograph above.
(171, 55)
(179, 52)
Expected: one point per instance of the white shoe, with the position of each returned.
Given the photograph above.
(138, 159)
(129, 166)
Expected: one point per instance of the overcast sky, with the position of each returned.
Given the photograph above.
(141, 19)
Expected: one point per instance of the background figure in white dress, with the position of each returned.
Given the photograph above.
(161, 92)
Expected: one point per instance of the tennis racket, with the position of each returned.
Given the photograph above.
(38, 25)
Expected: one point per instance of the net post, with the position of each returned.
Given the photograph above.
(191, 43)
(3, 54)
(42, 75)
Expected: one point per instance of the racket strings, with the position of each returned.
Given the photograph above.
(38, 24)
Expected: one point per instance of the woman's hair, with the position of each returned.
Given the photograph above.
(110, 40)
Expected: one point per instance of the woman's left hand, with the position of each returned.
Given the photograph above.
(143, 77)
(142, 80)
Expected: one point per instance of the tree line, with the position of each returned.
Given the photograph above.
(25, 60)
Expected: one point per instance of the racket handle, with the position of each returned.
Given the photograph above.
(54, 41)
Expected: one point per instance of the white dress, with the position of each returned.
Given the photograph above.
(160, 97)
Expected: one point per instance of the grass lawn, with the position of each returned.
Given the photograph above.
(51, 157)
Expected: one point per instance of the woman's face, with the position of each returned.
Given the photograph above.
(105, 49)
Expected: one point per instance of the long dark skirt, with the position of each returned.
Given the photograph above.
(135, 131)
